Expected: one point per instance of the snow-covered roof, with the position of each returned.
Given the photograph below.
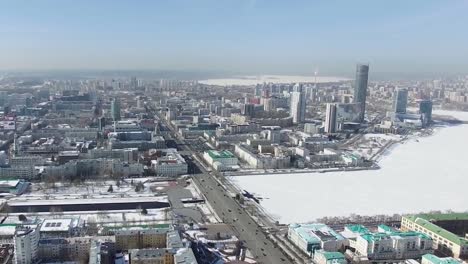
(56, 225)
(7, 229)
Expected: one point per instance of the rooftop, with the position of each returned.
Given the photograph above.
(147, 253)
(185, 256)
(56, 225)
(330, 255)
(360, 229)
(220, 154)
(313, 233)
(424, 220)
(436, 260)
(392, 235)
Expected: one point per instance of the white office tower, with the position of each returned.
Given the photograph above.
(298, 105)
(26, 245)
(330, 119)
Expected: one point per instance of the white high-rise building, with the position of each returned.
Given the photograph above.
(330, 119)
(26, 245)
(298, 106)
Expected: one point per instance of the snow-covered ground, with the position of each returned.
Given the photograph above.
(253, 80)
(371, 144)
(420, 174)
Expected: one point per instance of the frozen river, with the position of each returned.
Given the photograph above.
(431, 174)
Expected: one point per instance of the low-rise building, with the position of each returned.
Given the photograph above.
(185, 256)
(57, 227)
(312, 237)
(447, 231)
(325, 257)
(151, 256)
(389, 244)
(220, 160)
(432, 259)
(278, 160)
(13, 186)
(141, 238)
(125, 155)
(21, 172)
(170, 164)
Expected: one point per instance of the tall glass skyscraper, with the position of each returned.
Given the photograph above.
(400, 100)
(425, 109)
(115, 110)
(360, 87)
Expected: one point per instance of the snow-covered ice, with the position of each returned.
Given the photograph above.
(420, 174)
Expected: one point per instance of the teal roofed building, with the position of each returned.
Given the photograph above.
(432, 259)
(221, 160)
(324, 257)
(351, 233)
(447, 230)
(392, 245)
(312, 237)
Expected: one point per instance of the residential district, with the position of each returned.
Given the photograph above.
(136, 170)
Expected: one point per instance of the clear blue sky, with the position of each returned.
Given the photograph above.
(235, 35)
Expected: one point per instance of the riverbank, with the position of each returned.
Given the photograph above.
(422, 173)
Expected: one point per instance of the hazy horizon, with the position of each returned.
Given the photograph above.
(235, 37)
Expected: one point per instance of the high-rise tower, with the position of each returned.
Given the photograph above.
(330, 119)
(115, 110)
(360, 87)
(298, 105)
(400, 100)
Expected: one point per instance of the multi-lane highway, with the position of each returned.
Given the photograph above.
(232, 213)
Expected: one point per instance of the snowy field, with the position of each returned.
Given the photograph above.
(253, 80)
(371, 144)
(420, 174)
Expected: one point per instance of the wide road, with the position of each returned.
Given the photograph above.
(232, 213)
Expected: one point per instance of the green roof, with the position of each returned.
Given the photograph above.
(360, 229)
(386, 228)
(332, 255)
(379, 236)
(220, 154)
(424, 221)
(444, 217)
(436, 260)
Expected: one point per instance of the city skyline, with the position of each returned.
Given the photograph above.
(235, 36)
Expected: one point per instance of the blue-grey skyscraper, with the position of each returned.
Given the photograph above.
(400, 100)
(360, 87)
(115, 110)
(425, 109)
(330, 118)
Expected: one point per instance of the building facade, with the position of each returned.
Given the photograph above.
(360, 88)
(434, 225)
(298, 106)
(400, 101)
